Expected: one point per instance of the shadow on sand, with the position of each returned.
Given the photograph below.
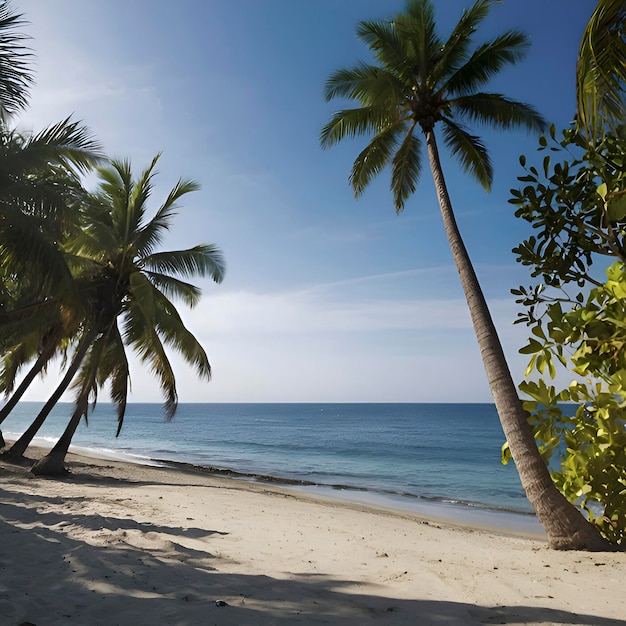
(136, 573)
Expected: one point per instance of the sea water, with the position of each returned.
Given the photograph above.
(442, 459)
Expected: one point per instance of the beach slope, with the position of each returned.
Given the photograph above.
(117, 543)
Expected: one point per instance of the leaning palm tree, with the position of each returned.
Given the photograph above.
(422, 81)
(40, 196)
(601, 70)
(134, 285)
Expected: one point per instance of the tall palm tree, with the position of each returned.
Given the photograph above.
(422, 81)
(134, 285)
(601, 70)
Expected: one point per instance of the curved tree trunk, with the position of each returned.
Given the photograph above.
(565, 527)
(19, 447)
(53, 463)
(40, 363)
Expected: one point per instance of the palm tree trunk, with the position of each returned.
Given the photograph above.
(19, 447)
(565, 527)
(40, 363)
(53, 463)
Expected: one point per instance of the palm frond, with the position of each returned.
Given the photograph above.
(417, 26)
(176, 335)
(496, 110)
(406, 169)
(601, 69)
(141, 191)
(470, 152)
(26, 249)
(456, 49)
(116, 186)
(38, 338)
(388, 46)
(149, 236)
(86, 379)
(174, 288)
(140, 332)
(350, 123)
(69, 143)
(97, 241)
(114, 369)
(486, 62)
(14, 359)
(367, 84)
(201, 260)
(373, 159)
(15, 63)
(115, 180)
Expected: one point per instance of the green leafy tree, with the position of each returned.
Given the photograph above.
(132, 285)
(422, 81)
(577, 207)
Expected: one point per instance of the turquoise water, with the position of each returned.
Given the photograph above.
(443, 458)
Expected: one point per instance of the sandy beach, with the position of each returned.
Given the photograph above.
(117, 543)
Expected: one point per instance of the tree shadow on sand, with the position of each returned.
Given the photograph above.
(71, 567)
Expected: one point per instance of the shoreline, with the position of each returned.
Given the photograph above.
(125, 540)
(383, 450)
(463, 512)
(455, 512)
(471, 513)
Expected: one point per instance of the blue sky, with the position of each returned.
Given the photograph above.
(326, 298)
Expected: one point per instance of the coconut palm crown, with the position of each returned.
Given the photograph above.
(134, 281)
(420, 81)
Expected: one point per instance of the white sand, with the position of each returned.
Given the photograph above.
(116, 543)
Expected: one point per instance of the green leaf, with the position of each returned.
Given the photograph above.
(538, 332)
(533, 347)
(505, 453)
(616, 208)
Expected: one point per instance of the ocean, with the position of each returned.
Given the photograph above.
(439, 459)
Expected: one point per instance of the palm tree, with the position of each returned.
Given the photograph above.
(601, 70)
(40, 196)
(40, 190)
(40, 193)
(134, 285)
(422, 81)
(38, 174)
